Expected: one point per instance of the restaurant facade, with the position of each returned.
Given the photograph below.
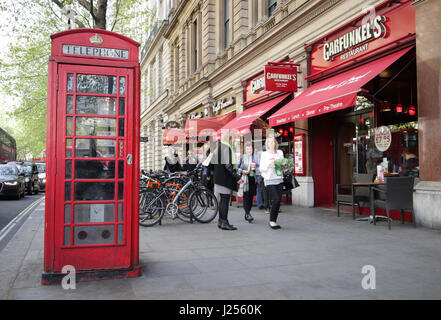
(367, 86)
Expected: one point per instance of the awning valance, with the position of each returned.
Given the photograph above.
(242, 123)
(335, 93)
(172, 136)
(205, 127)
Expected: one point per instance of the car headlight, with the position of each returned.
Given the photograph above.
(44, 180)
(11, 183)
(27, 180)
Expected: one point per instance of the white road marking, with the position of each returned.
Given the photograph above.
(4, 232)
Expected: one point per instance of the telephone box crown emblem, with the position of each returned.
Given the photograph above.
(96, 39)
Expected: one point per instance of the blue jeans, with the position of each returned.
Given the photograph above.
(261, 187)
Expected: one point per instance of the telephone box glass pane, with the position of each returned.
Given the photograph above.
(67, 236)
(95, 148)
(122, 106)
(68, 169)
(70, 82)
(120, 212)
(120, 234)
(94, 213)
(89, 191)
(96, 105)
(68, 148)
(67, 189)
(67, 213)
(69, 105)
(94, 234)
(94, 169)
(90, 83)
(121, 149)
(122, 85)
(120, 169)
(121, 127)
(120, 190)
(68, 126)
(97, 127)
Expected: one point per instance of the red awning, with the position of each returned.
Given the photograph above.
(172, 136)
(242, 123)
(207, 126)
(334, 93)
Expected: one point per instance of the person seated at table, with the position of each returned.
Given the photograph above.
(409, 163)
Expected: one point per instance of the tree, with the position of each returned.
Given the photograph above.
(23, 71)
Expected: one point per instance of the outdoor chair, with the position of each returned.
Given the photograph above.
(358, 193)
(397, 195)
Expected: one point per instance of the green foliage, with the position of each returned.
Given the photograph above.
(284, 165)
(23, 70)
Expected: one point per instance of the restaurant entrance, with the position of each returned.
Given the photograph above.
(323, 159)
(377, 134)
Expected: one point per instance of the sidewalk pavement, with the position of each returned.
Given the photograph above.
(315, 255)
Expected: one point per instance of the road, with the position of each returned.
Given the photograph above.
(10, 210)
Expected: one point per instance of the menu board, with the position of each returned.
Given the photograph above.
(299, 154)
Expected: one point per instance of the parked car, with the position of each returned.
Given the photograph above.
(30, 172)
(11, 182)
(41, 167)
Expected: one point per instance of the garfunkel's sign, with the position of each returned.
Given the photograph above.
(280, 78)
(369, 31)
(385, 27)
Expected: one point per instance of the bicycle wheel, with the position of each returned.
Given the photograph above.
(151, 209)
(204, 205)
(184, 210)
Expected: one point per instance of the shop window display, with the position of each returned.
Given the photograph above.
(384, 126)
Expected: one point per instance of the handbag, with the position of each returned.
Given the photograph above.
(243, 187)
(290, 182)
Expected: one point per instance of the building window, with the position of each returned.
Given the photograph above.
(195, 45)
(272, 4)
(254, 12)
(160, 71)
(176, 58)
(226, 23)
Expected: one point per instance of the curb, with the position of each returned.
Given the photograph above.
(4, 232)
(16, 251)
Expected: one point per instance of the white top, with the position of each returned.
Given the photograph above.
(269, 174)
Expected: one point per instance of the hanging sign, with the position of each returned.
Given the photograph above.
(383, 138)
(280, 78)
(172, 125)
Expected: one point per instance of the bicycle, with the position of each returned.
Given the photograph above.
(184, 201)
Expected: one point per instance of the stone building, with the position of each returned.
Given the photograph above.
(202, 58)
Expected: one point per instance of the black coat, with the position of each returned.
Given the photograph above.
(224, 173)
(172, 167)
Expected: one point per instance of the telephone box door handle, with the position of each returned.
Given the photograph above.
(129, 158)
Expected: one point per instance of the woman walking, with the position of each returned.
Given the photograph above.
(248, 169)
(225, 178)
(273, 181)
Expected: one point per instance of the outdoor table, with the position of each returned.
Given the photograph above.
(370, 185)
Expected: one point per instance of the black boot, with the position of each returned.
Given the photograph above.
(225, 225)
(249, 217)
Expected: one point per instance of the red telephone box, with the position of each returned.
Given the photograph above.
(93, 114)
